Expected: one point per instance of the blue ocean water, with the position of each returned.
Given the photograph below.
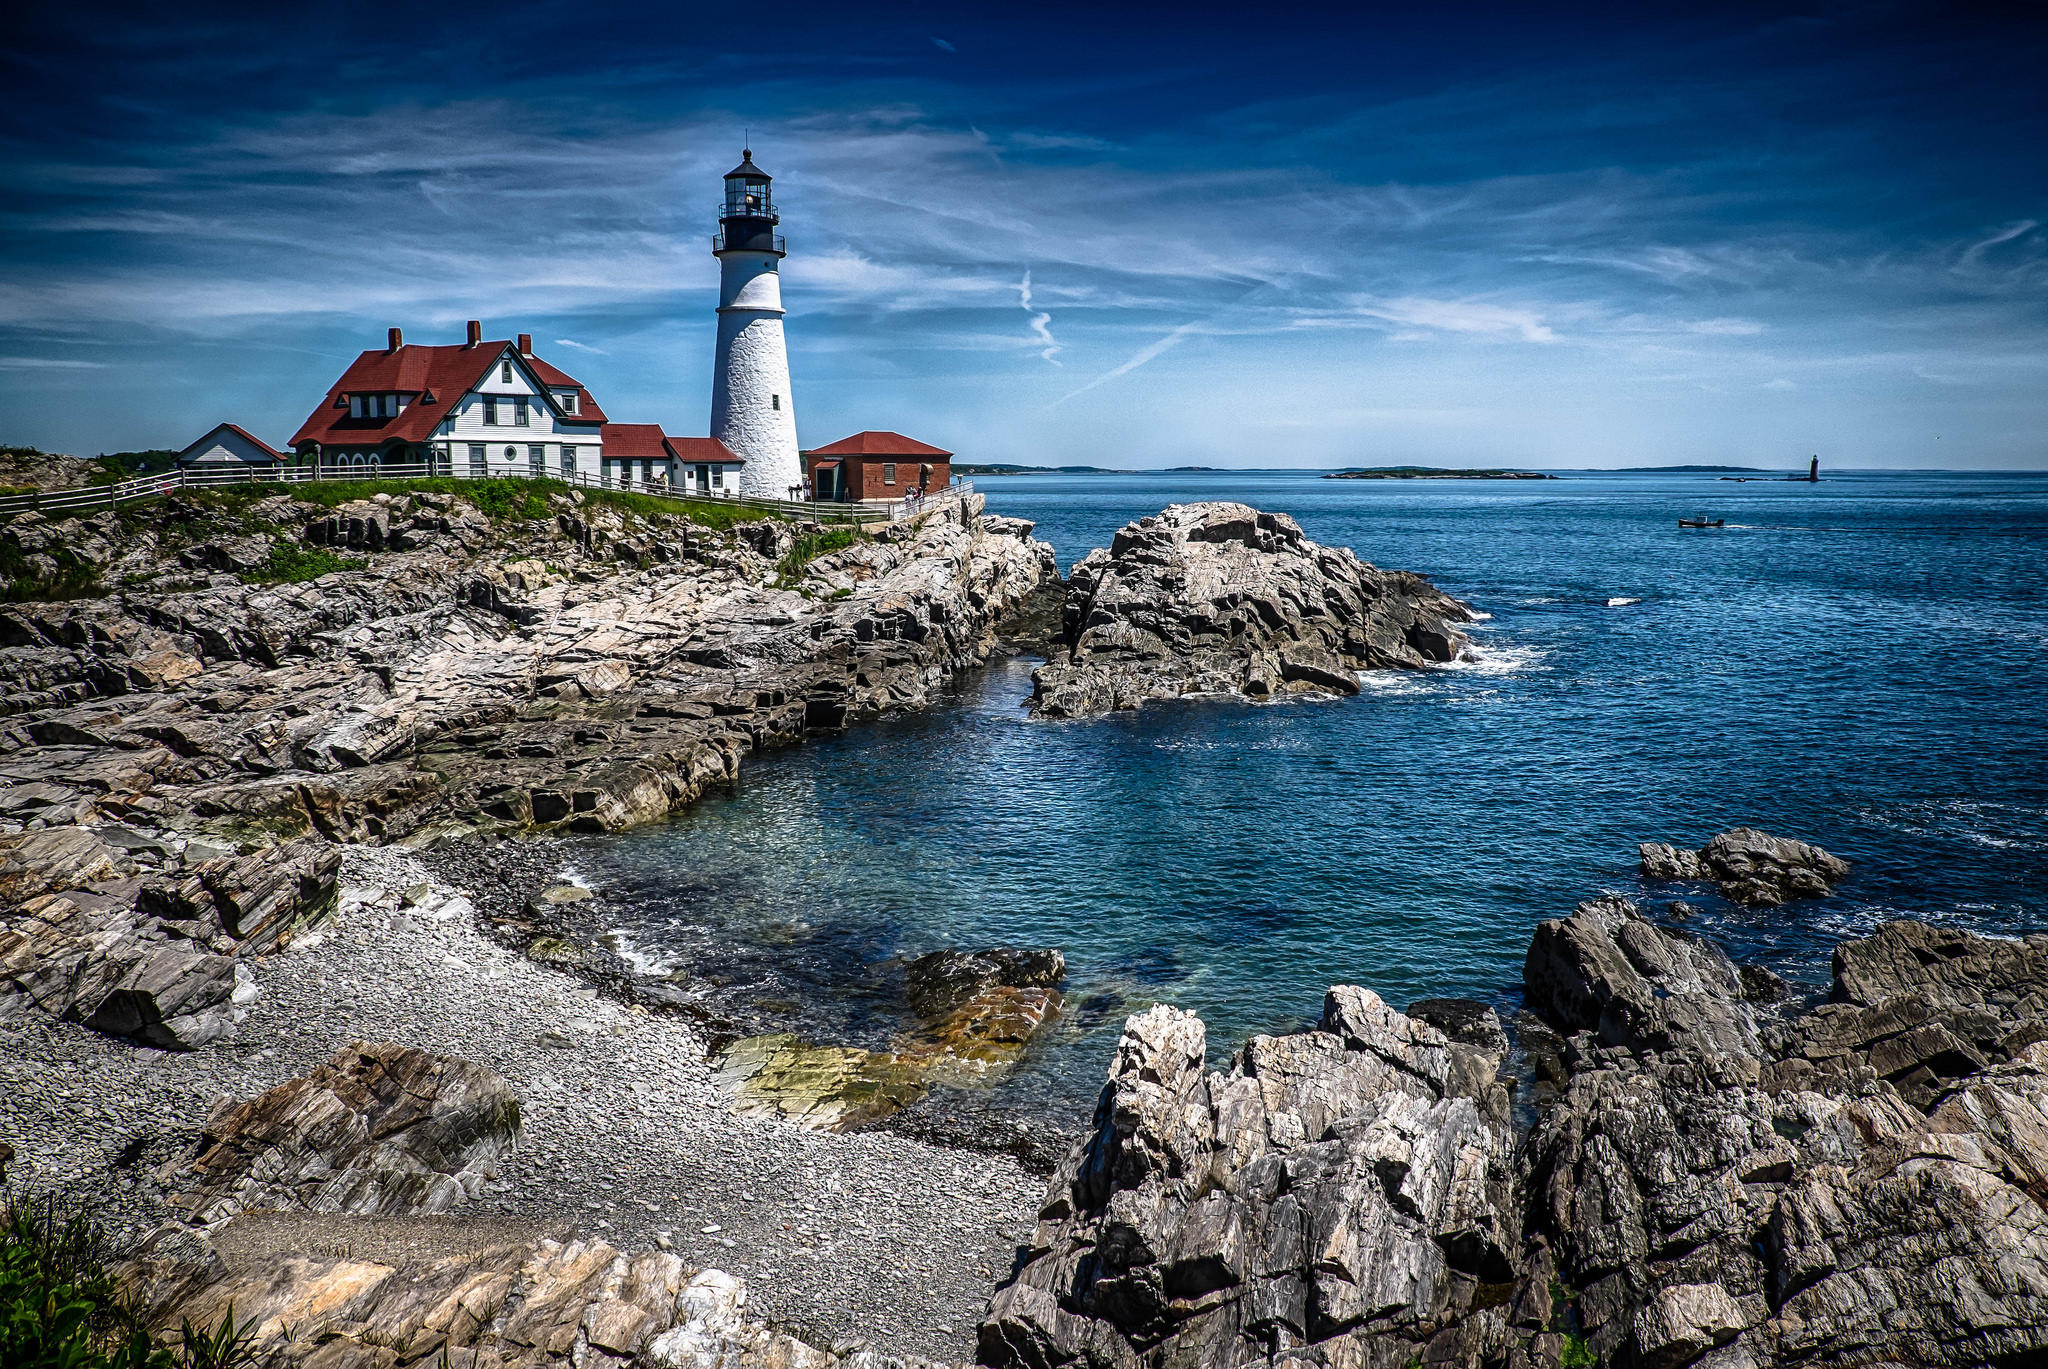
(1858, 663)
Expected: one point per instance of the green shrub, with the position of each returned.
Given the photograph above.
(810, 547)
(1577, 1354)
(292, 564)
(73, 579)
(59, 1308)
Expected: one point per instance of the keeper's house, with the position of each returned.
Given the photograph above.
(877, 466)
(493, 408)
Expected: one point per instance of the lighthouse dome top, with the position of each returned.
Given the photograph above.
(746, 170)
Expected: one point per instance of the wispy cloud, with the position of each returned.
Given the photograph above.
(1460, 316)
(1151, 351)
(49, 364)
(574, 345)
(942, 45)
(1041, 322)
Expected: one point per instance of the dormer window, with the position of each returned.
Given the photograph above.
(505, 373)
(568, 398)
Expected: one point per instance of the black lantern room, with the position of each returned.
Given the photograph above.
(747, 219)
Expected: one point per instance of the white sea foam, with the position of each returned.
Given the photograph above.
(648, 964)
(1479, 617)
(1620, 602)
(1495, 658)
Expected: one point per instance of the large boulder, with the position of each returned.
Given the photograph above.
(1338, 1196)
(1221, 598)
(1749, 866)
(377, 1129)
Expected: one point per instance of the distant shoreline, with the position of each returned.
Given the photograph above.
(1433, 473)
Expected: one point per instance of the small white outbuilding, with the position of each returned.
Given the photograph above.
(231, 447)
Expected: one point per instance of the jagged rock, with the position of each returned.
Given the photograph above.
(377, 1129)
(1337, 1197)
(533, 1304)
(1608, 970)
(1867, 1187)
(151, 955)
(1920, 1007)
(1749, 866)
(1221, 598)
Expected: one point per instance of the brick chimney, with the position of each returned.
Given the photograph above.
(476, 333)
(526, 344)
(397, 340)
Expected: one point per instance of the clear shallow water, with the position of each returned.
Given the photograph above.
(1857, 663)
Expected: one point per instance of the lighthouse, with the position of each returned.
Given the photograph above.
(751, 411)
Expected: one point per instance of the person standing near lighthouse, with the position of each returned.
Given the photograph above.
(751, 409)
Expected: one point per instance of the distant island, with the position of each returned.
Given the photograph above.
(1007, 468)
(1175, 469)
(1432, 473)
(1743, 469)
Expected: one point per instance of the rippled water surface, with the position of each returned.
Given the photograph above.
(1858, 663)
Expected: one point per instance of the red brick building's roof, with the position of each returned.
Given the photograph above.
(439, 376)
(879, 444)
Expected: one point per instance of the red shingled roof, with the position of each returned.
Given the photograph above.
(445, 373)
(879, 444)
(647, 442)
(704, 449)
(244, 433)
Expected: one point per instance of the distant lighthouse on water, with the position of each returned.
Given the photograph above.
(751, 409)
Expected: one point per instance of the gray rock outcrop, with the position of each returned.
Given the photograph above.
(1749, 867)
(588, 670)
(376, 1130)
(1222, 598)
(125, 935)
(510, 1304)
(1724, 1182)
(1342, 1196)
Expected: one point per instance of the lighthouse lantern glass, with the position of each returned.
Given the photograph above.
(745, 195)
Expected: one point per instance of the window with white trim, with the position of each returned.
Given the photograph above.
(505, 373)
(568, 460)
(476, 458)
(888, 472)
(519, 412)
(490, 411)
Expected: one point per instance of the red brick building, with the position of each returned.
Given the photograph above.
(877, 465)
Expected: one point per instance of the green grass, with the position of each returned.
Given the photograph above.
(1577, 1354)
(74, 579)
(810, 547)
(292, 564)
(60, 1309)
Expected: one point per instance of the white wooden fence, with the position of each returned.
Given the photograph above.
(156, 486)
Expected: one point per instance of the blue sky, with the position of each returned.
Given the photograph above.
(1126, 236)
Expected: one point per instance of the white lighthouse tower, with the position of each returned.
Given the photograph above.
(751, 410)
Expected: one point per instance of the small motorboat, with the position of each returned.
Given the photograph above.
(1702, 522)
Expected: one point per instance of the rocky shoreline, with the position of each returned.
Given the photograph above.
(349, 1089)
